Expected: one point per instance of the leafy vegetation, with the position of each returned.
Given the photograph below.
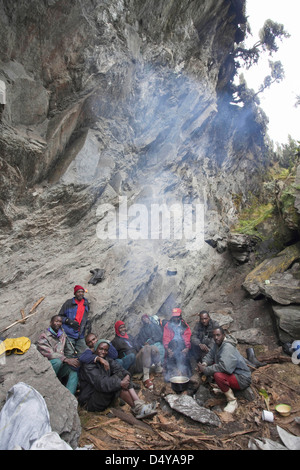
(288, 154)
(252, 216)
(269, 35)
(279, 198)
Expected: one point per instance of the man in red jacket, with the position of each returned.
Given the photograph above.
(177, 343)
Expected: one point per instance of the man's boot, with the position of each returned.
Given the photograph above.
(253, 359)
(231, 402)
(143, 410)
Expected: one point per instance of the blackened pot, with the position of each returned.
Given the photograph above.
(179, 383)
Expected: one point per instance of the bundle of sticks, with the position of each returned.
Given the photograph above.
(25, 317)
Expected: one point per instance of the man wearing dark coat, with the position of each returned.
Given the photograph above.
(150, 333)
(202, 336)
(143, 354)
(101, 383)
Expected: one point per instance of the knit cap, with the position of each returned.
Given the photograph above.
(99, 342)
(76, 288)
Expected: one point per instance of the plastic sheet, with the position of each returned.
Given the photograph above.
(25, 422)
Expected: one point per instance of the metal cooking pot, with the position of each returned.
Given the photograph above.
(179, 383)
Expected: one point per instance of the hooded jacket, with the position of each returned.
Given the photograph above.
(227, 359)
(169, 333)
(124, 346)
(149, 333)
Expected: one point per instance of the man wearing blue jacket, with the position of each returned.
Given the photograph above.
(90, 357)
(74, 313)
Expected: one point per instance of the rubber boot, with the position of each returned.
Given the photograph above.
(252, 358)
(146, 372)
(231, 402)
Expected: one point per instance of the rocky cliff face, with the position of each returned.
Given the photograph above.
(110, 100)
(113, 107)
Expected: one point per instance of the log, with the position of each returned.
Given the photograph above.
(98, 425)
(272, 359)
(166, 426)
(131, 419)
(120, 436)
(166, 436)
(200, 443)
(184, 432)
(238, 433)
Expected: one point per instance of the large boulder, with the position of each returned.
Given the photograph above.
(283, 288)
(35, 370)
(287, 322)
(256, 279)
(28, 99)
(250, 336)
(240, 247)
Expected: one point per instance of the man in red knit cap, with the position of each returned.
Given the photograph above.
(74, 313)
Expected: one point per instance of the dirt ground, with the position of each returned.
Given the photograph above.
(169, 430)
(116, 429)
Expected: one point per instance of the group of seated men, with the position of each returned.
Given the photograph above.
(103, 369)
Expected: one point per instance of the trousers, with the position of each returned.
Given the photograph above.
(63, 370)
(148, 355)
(127, 361)
(226, 381)
(77, 344)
